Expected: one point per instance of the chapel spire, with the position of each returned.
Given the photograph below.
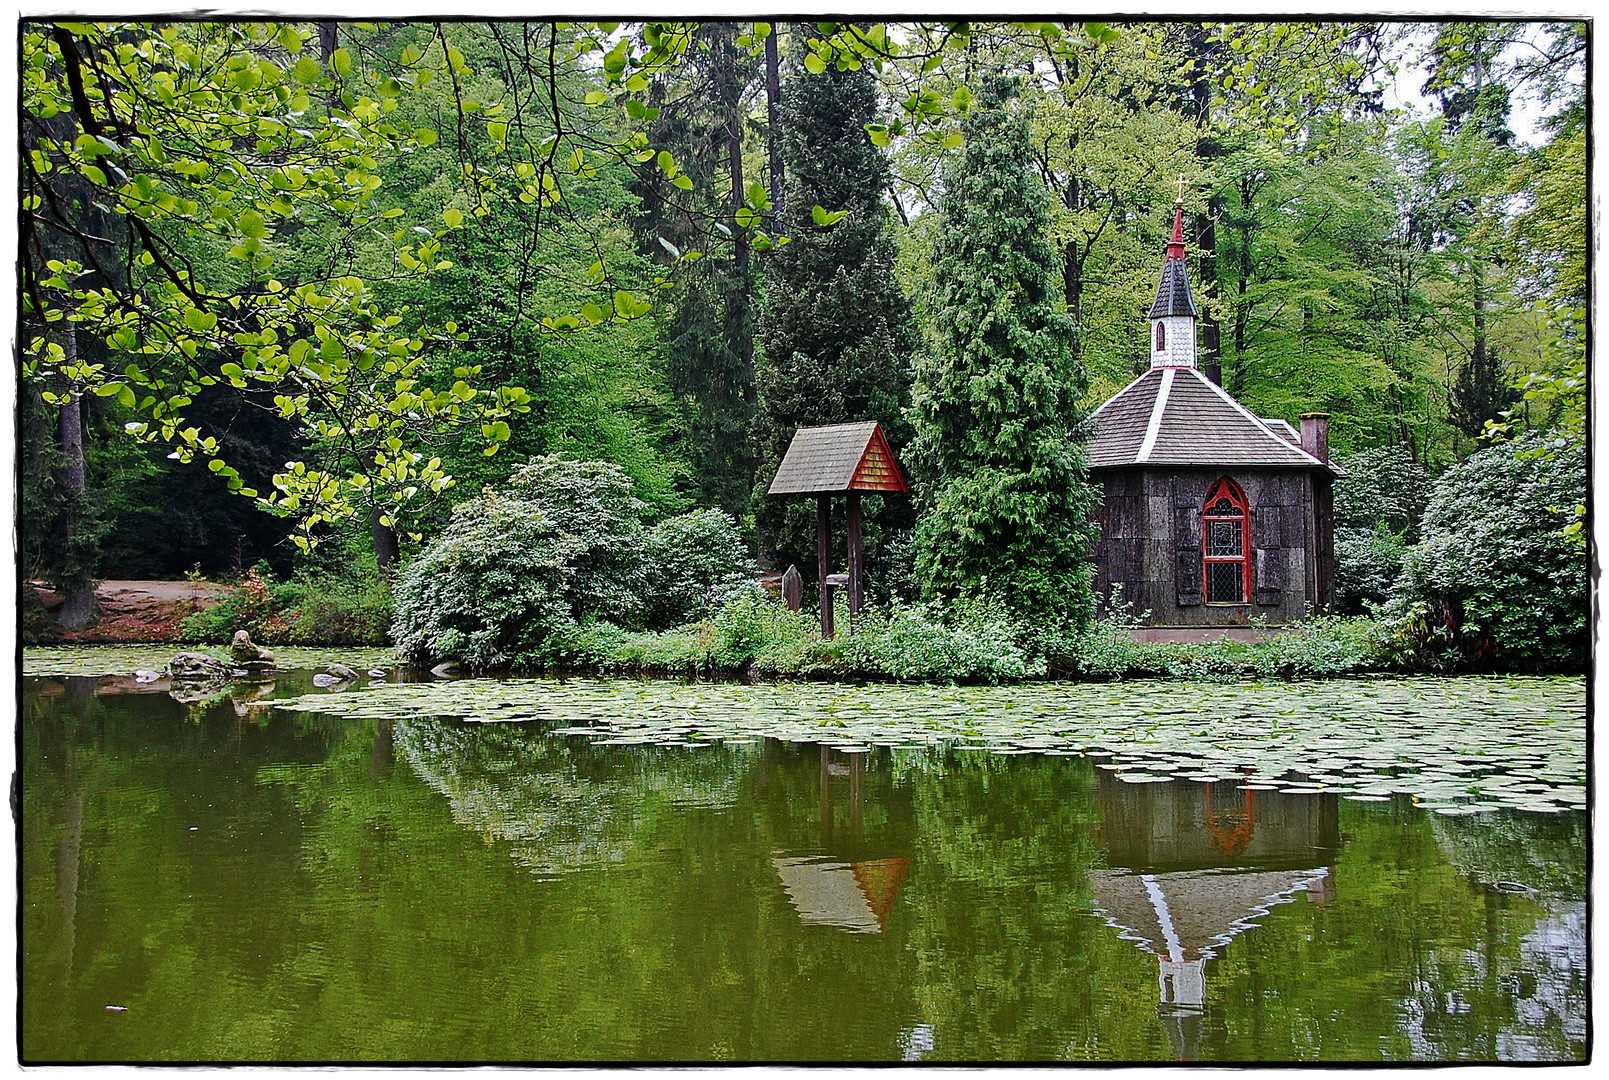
(1173, 314)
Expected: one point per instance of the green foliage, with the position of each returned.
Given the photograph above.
(1493, 581)
(835, 328)
(1006, 509)
(312, 611)
(517, 567)
(545, 571)
(211, 143)
(1480, 393)
(971, 640)
(1315, 648)
(1377, 509)
(694, 563)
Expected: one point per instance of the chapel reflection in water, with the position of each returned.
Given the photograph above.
(1193, 865)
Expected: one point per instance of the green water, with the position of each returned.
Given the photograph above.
(233, 880)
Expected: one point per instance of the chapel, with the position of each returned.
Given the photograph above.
(1210, 515)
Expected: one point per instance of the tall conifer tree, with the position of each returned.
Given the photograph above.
(1007, 512)
(836, 329)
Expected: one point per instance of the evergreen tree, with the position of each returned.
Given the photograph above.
(836, 329)
(1480, 393)
(707, 324)
(1007, 511)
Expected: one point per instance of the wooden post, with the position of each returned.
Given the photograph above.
(823, 560)
(826, 797)
(854, 556)
(857, 796)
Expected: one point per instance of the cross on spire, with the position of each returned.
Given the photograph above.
(1181, 187)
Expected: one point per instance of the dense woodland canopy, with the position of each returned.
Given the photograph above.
(290, 292)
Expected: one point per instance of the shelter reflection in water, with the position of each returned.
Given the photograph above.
(1193, 865)
(849, 878)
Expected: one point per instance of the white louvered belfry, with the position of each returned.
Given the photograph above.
(1173, 315)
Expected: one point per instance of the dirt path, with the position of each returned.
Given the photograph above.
(137, 611)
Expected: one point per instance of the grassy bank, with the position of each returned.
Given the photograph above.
(755, 636)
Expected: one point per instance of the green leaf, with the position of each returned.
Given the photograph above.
(825, 217)
(252, 224)
(306, 71)
(453, 217)
(814, 64)
(341, 62)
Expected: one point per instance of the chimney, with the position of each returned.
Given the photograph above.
(1316, 435)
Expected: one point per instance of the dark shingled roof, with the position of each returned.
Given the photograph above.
(1199, 424)
(823, 459)
(1173, 292)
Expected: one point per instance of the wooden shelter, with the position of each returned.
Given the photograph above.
(837, 459)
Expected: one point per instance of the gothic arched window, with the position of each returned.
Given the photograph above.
(1226, 571)
(1161, 336)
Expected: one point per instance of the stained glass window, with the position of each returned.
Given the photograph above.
(1223, 551)
(1223, 538)
(1161, 337)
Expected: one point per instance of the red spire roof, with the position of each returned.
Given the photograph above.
(1176, 241)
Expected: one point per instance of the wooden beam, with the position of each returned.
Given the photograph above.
(823, 560)
(854, 556)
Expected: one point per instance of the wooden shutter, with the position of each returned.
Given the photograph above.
(1187, 549)
(1269, 575)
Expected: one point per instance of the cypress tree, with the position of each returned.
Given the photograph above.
(1007, 511)
(836, 330)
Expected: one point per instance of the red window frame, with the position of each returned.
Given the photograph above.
(1213, 510)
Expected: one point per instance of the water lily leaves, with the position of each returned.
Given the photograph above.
(1470, 742)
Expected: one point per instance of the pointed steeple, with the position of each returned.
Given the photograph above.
(1173, 291)
(1173, 314)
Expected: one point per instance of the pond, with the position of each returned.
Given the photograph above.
(1382, 870)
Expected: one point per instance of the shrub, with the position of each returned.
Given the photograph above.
(695, 562)
(260, 605)
(751, 628)
(1494, 580)
(1367, 564)
(1377, 509)
(494, 584)
(966, 640)
(323, 611)
(544, 573)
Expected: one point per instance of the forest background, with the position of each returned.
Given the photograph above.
(291, 292)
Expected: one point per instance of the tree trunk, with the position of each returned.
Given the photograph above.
(1211, 346)
(741, 337)
(1072, 271)
(773, 130)
(1478, 351)
(326, 40)
(78, 606)
(385, 545)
